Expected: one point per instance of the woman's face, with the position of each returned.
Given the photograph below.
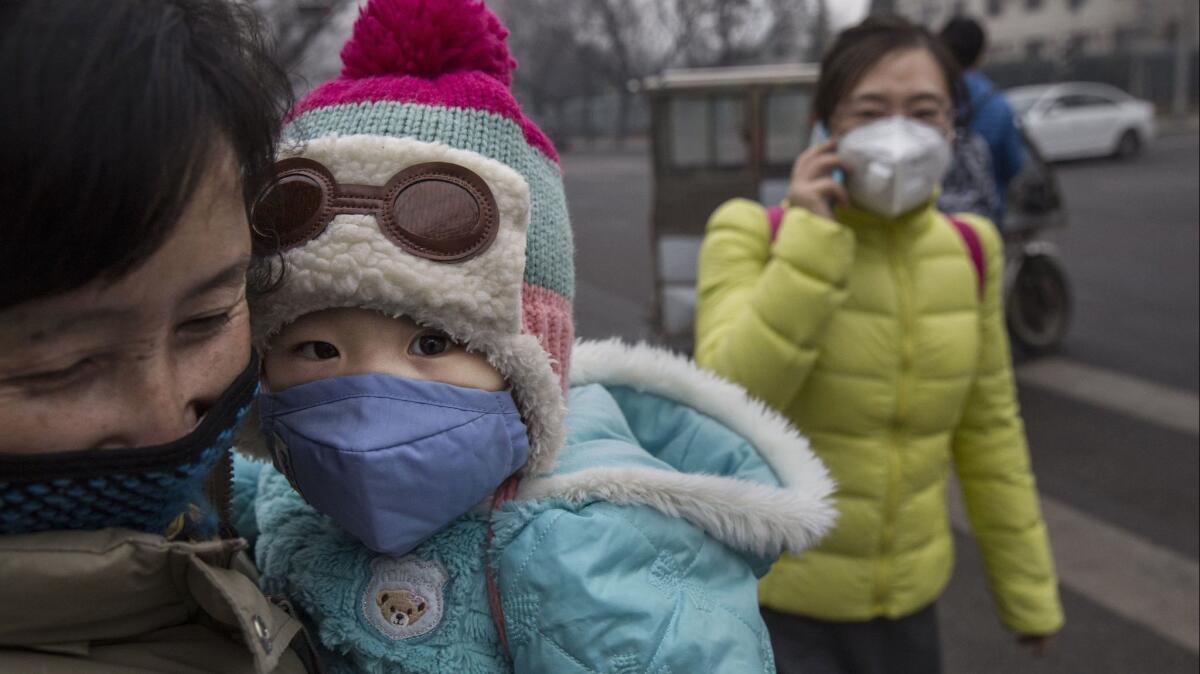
(905, 82)
(138, 360)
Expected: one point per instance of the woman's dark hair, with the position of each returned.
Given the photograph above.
(965, 39)
(858, 49)
(113, 113)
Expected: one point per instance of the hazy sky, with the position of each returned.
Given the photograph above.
(842, 13)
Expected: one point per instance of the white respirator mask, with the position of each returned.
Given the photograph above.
(894, 163)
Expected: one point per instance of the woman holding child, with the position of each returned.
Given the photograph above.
(455, 486)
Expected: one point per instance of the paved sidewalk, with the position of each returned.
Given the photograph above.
(1169, 125)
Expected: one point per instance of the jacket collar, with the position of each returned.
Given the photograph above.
(912, 222)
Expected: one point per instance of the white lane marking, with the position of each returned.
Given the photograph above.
(1172, 408)
(1130, 576)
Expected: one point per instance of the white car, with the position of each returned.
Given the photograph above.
(1082, 119)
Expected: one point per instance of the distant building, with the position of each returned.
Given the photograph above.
(1062, 29)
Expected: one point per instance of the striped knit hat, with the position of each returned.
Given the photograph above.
(420, 122)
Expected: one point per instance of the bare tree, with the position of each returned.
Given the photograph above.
(574, 52)
(821, 30)
(638, 37)
(580, 50)
(883, 7)
(729, 29)
(554, 67)
(308, 35)
(792, 32)
(712, 30)
(734, 32)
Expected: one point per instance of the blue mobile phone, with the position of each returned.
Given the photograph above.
(820, 134)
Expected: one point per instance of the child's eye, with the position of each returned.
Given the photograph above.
(430, 344)
(318, 350)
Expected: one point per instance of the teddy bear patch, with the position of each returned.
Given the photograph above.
(401, 607)
(404, 598)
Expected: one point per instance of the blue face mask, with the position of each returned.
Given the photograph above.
(393, 460)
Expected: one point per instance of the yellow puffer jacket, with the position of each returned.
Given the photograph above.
(871, 336)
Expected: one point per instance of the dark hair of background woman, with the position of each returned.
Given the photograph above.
(964, 37)
(113, 111)
(858, 49)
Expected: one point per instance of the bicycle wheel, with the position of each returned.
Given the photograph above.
(1039, 304)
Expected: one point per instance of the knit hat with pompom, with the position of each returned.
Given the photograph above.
(423, 108)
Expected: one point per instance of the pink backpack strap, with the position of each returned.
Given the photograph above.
(504, 493)
(775, 217)
(974, 248)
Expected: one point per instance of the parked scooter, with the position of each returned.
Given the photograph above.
(1037, 295)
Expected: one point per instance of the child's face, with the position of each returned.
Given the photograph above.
(338, 342)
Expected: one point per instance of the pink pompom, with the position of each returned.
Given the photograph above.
(427, 38)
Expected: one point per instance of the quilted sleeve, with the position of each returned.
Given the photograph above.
(626, 589)
(761, 307)
(992, 461)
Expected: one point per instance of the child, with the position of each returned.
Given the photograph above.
(431, 511)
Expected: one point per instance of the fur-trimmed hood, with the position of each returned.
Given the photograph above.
(711, 455)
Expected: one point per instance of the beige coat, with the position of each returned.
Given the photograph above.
(84, 602)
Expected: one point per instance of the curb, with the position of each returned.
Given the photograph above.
(1175, 126)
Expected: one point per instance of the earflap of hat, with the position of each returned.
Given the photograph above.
(537, 390)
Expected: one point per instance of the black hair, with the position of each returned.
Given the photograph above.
(965, 39)
(858, 49)
(113, 113)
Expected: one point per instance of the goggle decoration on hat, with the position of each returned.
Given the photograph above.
(437, 211)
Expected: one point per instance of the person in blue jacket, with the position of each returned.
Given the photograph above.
(455, 486)
(987, 112)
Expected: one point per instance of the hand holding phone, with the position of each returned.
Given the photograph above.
(816, 182)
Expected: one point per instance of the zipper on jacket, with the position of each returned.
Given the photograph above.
(219, 488)
(903, 283)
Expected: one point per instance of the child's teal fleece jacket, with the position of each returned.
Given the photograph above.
(639, 552)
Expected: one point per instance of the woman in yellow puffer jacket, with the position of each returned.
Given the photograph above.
(867, 321)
